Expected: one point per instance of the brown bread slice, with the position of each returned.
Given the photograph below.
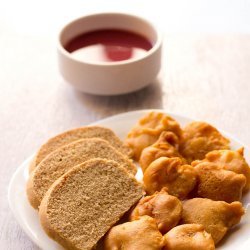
(63, 159)
(84, 203)
(77, 134)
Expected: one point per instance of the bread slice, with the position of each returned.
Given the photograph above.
(63, 159)
(77, 134)
(84, 203)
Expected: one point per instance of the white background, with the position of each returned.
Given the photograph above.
(31, 16)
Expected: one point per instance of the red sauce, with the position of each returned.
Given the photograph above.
(109, 45)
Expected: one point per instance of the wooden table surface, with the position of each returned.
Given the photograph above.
(205, 77)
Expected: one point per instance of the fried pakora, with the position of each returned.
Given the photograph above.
(188, 236)
(134, 235)
(218, 184)
(148, 129)
(164, 208)
(230, 160)
(167, 172)
(167, 145)
(216, 216)
(199, 138)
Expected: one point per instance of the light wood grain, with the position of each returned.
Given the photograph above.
(203, 77)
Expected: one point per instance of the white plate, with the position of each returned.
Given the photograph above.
(120, 124)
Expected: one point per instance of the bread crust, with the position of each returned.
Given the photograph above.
(76, 134)
(33, 164)
(43, 209)
(34, 201)
(34, 186)
(46, 225)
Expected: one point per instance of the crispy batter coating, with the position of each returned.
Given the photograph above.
(219, 184)
(199, 138)
(189, 237)
(148, 130)
(164, 208)
(167, 145)
(167, 172)
(216, 216)
(135, 235)
(230, 160)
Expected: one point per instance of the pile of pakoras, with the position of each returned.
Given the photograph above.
(194, 184)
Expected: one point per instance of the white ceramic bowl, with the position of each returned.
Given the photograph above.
(110, 78)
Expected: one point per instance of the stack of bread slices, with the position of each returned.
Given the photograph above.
(82, 182)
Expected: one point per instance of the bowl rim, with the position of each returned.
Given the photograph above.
(156, 46)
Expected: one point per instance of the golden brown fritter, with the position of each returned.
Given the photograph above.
(164, 208)
(216, 216)
(135, 235)
(230, 160)
(188, 237)
(148, 130)
(199, 138)
(167, 145)
(218, 184)
(167, 172)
